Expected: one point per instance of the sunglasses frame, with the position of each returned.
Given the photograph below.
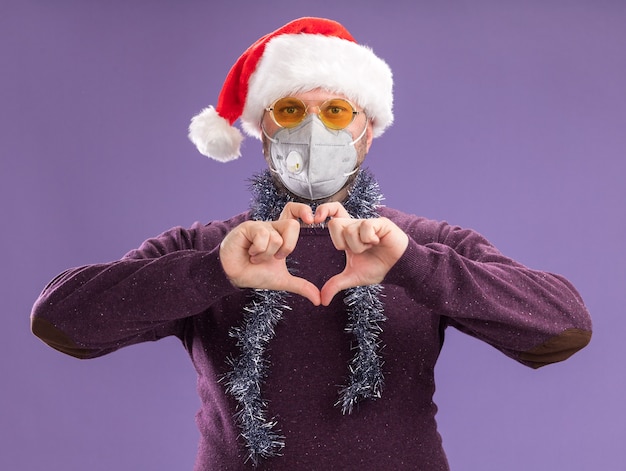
(270, 109)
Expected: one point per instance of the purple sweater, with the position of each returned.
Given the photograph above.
(174, 285)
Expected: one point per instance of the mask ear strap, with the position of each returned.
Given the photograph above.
(271, 163)
(352, 172)
(360, 136)
(352, 144)
(271, 139)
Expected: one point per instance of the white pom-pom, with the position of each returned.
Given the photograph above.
(214, 136)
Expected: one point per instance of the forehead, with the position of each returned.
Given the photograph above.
(318, 95)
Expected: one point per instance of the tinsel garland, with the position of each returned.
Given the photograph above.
(249, 370)
(365, 312)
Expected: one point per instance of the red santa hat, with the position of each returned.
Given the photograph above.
(303, 55)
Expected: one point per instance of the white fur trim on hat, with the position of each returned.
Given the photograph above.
(214, 136)
(295, 63)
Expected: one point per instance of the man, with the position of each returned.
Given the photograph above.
(280, 305)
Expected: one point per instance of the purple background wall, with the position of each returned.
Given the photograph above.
(510, 119)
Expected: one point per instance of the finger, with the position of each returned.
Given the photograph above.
(297, 211)
(336, 228)
(304, 288)
(334, 285)
(346, 234)
(289, 230)
(265, 243)
(352, 237)
(330, 210)
(368, 232)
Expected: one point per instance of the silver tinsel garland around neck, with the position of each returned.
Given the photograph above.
(265, 310)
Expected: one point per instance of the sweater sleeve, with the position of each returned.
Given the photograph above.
(95, 309)
(535, 317)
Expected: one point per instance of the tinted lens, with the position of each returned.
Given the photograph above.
(288, 112)
(336, 113)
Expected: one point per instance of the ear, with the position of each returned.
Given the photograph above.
(369, 134)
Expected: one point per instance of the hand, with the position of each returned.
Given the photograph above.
(253, 256)
(372, 247)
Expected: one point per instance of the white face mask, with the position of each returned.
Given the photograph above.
(312, 161)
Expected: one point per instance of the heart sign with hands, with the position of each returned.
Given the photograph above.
(253, 254)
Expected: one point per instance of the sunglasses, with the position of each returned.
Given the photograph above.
(335, 113)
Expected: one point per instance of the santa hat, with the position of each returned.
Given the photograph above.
(303, 55)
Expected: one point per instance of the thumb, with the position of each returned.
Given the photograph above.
(335, 284)
(304, 288)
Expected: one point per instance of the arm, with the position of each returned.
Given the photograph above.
(92, 310)
(534, 317)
